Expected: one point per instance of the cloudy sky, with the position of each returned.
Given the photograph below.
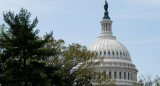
(136, 24)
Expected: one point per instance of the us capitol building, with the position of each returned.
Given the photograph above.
(117, 60)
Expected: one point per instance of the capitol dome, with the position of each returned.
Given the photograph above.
(110, 49)
(117, 60)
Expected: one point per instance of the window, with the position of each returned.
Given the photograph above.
(120, 53)
(124, 75)
(126, 54)
(100, 53)
(128, 76)
(105, 74)
(117, 53)
(131, 76)
(106, 28)
(123, 54)
(120, 75)
(104, 52)
(108, 52)
(110, 74)
(115, 75)
(113, 53)
(99, 75)
(94, 75)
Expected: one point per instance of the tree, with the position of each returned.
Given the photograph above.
(75, 64)
(21, 53)
(104, 79)
(157, 81)
(147, 81)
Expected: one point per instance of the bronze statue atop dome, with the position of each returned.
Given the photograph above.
(106, 6)
(106, 16)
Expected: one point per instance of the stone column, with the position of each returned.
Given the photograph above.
(104, 27)
(117, 74)
(122, 75)
(112, 74)
(101, 26)
(132, 76)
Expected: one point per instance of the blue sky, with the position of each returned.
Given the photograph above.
(136, 24)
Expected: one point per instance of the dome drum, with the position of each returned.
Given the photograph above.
(121, 75)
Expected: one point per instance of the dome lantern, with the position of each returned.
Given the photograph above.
(106, 24)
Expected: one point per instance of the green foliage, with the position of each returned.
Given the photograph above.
(75, 64)
(29, 60)
(157, 81)
(21, 55)
(146, 81)
(103, 79)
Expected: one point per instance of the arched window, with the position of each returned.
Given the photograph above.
(110, 74)
(100, 53)
(128, 76)
(117, 53)
(123, 54)
(113, 52)
(120, 53)
(108, 52)
(124, 75)
(105, 74)
(94, 75)
(131, 76)
(115, 75)
(99, 75)
(104, 52)
(120, 75)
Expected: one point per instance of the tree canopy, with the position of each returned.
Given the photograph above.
(21, 55)
(147, 81)
(29, 60)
